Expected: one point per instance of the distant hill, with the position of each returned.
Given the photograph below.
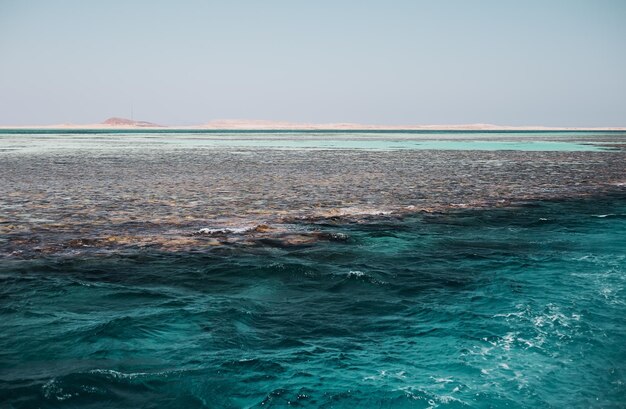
(118, 124)
(128, 122)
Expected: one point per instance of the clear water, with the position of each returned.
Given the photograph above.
(37, 141)
(494, 308)
(522, 306)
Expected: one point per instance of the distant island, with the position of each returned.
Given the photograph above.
(130, 123)
(247, 124)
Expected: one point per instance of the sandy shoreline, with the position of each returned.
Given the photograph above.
(227, 125)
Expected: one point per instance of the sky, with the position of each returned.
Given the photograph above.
(506, 62)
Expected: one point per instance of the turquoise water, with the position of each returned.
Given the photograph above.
(365, 269)
(517, 307)
(385, 144)
(55, 140)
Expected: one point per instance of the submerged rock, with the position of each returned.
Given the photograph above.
(332, 236)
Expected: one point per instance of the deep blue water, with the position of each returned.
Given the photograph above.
(517, 307)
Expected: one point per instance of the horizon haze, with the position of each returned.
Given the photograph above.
(560, 64)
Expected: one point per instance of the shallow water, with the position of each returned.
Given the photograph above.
(324, 278)
(47, 140)
(75, 192)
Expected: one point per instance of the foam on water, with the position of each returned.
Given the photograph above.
(483, 308)
(225, 230)
(160, 270)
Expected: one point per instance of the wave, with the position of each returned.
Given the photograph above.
(225, 230)
(610, 216)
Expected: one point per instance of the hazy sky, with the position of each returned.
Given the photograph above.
(545, 62)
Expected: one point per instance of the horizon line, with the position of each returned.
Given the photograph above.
(119, 123)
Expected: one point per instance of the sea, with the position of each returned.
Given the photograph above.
(312, 269)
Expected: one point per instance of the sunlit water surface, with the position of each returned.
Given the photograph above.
(508, 303)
